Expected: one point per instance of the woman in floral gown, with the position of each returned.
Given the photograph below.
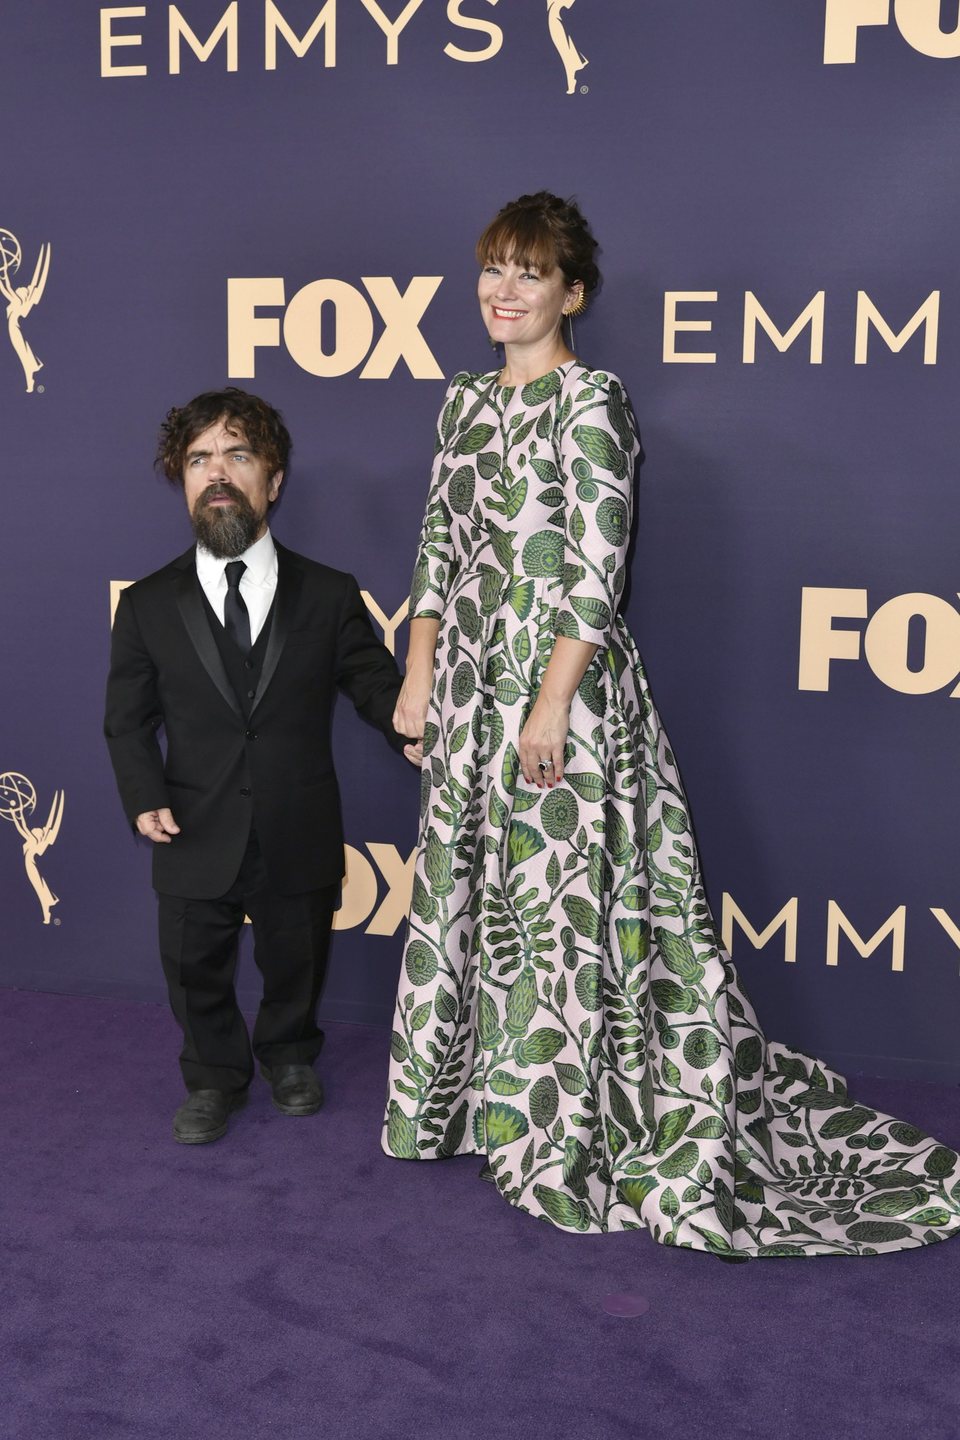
(565, 1006)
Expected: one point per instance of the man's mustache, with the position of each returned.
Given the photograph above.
(220, 489)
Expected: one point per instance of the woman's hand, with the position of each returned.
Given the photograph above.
(543, 739)
(410, 715)
(545, 733)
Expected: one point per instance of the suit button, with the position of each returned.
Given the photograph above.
(245, 790)
(251, 694)
(251, 734)
(248, 664)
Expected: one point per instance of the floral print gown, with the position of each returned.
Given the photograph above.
(565, 1006)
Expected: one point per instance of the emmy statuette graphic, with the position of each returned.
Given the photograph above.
(573, 61)
(18, 799)
(22, 298)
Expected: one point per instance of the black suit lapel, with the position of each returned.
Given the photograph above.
(289, 584)
(190, 602)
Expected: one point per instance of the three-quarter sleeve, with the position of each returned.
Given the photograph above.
(597, 449)
(434, 566)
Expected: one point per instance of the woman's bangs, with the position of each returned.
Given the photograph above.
(519, 240)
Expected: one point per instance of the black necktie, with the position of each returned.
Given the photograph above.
(236, 620)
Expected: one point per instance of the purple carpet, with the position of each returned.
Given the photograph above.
(342, 1294)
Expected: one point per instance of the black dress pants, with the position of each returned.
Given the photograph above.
(198, 946)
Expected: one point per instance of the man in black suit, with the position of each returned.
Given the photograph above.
(237, 649)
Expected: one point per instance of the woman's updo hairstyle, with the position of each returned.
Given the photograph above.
(544, 232)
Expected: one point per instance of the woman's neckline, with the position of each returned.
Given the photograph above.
(499, 385)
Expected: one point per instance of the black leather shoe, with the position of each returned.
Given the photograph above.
(204, 1114)
(296, 1089)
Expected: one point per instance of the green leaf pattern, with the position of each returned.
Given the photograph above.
(565, 1005)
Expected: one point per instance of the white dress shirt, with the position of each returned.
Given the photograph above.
(258, 583)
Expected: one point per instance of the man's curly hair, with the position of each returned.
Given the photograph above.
(256, 422)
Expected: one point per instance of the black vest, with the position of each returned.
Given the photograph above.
(243, 671)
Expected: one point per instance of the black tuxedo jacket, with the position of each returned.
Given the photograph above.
(222, 770)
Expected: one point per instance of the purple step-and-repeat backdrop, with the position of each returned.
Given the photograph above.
(285, 194)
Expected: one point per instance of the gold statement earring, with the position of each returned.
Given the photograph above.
(577, 308)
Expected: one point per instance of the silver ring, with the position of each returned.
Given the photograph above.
(544, 765)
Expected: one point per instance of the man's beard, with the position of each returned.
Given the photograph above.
(226, 531)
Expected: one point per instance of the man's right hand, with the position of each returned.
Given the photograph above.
(158, 826)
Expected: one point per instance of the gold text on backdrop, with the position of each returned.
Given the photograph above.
(360, 895)
(165, 47)
(868, 319)
(893, 928)
(389, 624)
(129, 49)
(917, 20)
(334, 312)
(911, 643)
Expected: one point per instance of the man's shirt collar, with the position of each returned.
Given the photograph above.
(260, 560)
